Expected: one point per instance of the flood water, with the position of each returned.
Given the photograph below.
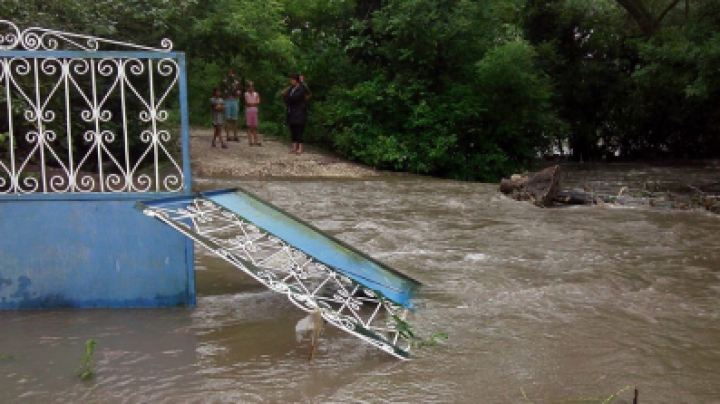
(541, 306)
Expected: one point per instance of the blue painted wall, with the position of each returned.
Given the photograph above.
(90, 252)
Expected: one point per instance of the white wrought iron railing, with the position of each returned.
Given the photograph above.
(309, 284)
(76, 119)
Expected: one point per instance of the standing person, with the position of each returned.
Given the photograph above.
(231, 87)
(252, 101)
(217, 103)
(294, 97)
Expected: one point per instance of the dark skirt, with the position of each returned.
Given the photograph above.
(296, 132)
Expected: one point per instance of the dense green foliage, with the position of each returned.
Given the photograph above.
(623, 91)
(468, 89)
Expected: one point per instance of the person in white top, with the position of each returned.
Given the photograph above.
(252, 101)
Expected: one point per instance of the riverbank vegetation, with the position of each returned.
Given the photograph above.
(463, 89)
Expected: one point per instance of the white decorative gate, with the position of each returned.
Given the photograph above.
(75, 118)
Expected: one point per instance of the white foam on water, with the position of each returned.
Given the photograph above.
(476, 257)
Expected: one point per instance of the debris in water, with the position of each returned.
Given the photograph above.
(305, 325)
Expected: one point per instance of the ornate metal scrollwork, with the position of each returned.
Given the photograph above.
(85, 124)
(307, 283)
(36, 38)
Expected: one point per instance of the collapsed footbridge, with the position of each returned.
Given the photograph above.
(316, 272)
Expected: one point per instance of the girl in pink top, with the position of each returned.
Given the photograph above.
(252, 100)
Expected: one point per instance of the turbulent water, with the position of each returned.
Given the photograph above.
(540, 305)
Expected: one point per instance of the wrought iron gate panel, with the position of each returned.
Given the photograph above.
(88, 120)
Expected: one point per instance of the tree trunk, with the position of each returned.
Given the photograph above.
(643, 16)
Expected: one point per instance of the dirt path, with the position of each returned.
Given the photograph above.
(272, 159)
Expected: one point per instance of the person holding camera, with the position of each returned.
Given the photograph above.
(295, 98)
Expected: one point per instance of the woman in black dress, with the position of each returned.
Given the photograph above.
(295, 100)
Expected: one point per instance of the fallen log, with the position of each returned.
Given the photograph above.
(543, 189)
(540, 188)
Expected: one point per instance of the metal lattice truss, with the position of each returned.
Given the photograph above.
(84, 121)
(308, 284)
(36, 38)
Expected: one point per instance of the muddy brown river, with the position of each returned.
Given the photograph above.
(566, 305)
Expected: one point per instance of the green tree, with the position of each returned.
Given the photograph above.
(649, 15)
(453, 90)
(138, 21)
(629, 95)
